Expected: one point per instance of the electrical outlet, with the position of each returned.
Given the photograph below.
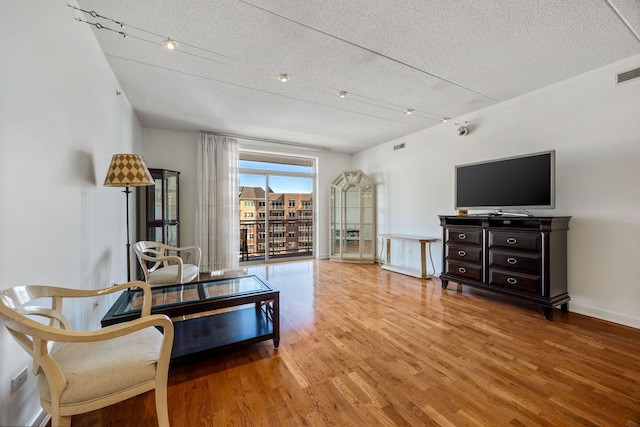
(19, 380)
(96, 303)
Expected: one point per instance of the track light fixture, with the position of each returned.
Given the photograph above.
(153, 38)
(454, 121)
(170, 43)
(463, 131)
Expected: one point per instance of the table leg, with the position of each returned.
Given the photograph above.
(276, 320)
(433, 266)
(388, 251)
(423, 260)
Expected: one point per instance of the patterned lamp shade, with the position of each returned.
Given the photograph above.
(128, 170)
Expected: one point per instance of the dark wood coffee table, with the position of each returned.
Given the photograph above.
(210, 315)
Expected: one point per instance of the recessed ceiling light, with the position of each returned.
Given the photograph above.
(454, 121)
(342, 93)
(170, 44)
(409, 111)
(283, 77)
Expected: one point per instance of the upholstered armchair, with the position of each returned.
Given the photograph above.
(162, 264)
(81, 371)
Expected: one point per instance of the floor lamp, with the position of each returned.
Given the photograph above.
(128, 170)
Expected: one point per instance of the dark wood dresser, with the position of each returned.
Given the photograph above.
(524, 257)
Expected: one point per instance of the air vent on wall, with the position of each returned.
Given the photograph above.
(627, 75)
(397, 147)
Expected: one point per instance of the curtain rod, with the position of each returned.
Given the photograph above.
(271, 141)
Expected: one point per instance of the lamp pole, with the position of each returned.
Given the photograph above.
(128, 170)
(126, 191)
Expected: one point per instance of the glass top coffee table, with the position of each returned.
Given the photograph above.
(208, 316)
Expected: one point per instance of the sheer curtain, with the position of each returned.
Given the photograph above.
(217, 210)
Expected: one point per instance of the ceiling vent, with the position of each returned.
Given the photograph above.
(398, 147)
(627, 75)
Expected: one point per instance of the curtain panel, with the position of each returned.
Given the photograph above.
(217, 210)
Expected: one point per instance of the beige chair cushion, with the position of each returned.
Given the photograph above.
(94, 370)
(167, 275)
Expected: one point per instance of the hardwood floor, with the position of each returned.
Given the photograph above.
(364, 346)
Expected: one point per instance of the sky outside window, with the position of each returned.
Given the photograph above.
(252, 164)
(279, 184)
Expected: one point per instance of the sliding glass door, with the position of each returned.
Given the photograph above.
(276, 207)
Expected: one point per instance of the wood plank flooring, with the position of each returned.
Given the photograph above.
(361, 346)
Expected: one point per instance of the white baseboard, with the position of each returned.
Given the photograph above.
(40, 419)
(608, 316)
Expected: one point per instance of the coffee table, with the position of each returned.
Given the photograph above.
(210, 315)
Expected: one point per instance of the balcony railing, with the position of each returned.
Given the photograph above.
(279, 246)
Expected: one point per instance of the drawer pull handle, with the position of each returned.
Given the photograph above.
(462, 236)
(511, 241)
(512, 261)
(511, 281)
(462, 253)
(462, 270)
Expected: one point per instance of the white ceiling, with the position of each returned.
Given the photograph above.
(439, 57)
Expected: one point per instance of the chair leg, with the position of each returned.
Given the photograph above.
(60, 421)
(161, 407)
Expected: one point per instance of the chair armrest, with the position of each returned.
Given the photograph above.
(35, 292)
(62, 335)
(182, 248)
(198, 254)
(146, 302)
(49, 291)
(195, 249)
(163, 259)
(57, 294)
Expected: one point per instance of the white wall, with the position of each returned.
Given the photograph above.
(60, 123)
(177, 150)
(593, 125)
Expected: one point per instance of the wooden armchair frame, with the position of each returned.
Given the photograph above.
(55, 383)
(177, 271)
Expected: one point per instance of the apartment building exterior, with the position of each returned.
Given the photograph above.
(283, 228)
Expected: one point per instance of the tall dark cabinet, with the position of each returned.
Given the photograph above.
(524, 257)
(159, 211)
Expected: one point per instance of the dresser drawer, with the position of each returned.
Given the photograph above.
(531, 242)
(464, 236)
(472, 254)
(516, 261)
(464, 271)
(517, 282)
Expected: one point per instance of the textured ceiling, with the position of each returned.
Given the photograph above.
(440, 57)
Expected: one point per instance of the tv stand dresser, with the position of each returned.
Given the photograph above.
(523, 257)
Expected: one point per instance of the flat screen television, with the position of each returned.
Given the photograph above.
(514, 183)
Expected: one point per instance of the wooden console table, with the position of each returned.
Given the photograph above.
(425, 244)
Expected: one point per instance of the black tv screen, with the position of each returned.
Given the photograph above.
(522, 182)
